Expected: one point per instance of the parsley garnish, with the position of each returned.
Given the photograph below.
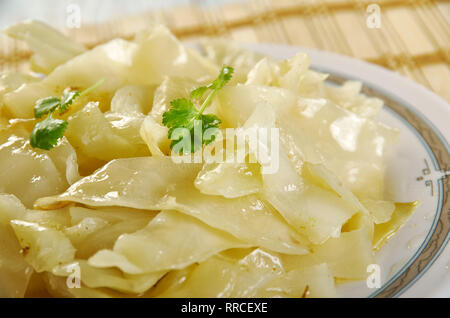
(184, 114)
(46, 133)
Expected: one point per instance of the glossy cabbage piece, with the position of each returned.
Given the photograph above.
(111, 61)
(310, 282)
(380, 211)
(155, 136)
(145, 61)
(292, 74)
(310, 209)
(46, 240)
(319, 131)
(349, 96)
(55, 219)
(96, 137)
(237, 103)
(17, 275)
(346, 256)
(353, 148)
(79, 232)
(128, 126)
(111, 278)
(317, 212)
(31, 242)
(13, 209)
(384, 231)
(10, 81)
(51, 48)
(138, 183)
(43, 247)
(258, 274)
(105, 237)
(222, 52)
(230, 180)
(91, 230)
(163, 184)
(231, 169)
(264, 72)
(248, 218)
(38, 169)
(296, 76)
(110, 214)
(129, 106)
(161, 54)
(15, 272)
(319, 175)
(170, 241)
(133, 99)
(3, 120)
(32, 173)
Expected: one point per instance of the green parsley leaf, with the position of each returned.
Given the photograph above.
(224, 77)
(182, 114)
(46, 105)
(209, 121)
(46, 133)
(199, 92)
(68, 100)
(183, 118)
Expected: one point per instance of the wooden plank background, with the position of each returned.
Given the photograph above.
(414, 38)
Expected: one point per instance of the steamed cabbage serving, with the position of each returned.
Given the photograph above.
(108, 212)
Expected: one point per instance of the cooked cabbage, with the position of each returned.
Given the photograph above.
(48, 54)
(30, 173)
(171, 240)
(132, 99)
(118, 214)
(93, 277)
(222, 52)
(43, 247)
(163, 184)
(384, 231)
(91, 132)
(230, 180)
(258, 274)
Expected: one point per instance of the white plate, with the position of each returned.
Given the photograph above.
(415, 262)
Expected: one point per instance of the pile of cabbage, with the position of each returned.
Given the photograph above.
(108, 205)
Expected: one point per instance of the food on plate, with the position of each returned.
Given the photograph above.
(147, 168)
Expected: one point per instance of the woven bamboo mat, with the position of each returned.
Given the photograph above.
(413, 40)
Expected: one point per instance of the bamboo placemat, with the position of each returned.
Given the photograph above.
(414, 37)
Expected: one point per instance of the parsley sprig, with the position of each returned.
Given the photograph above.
(184, 114)
(46, 133)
